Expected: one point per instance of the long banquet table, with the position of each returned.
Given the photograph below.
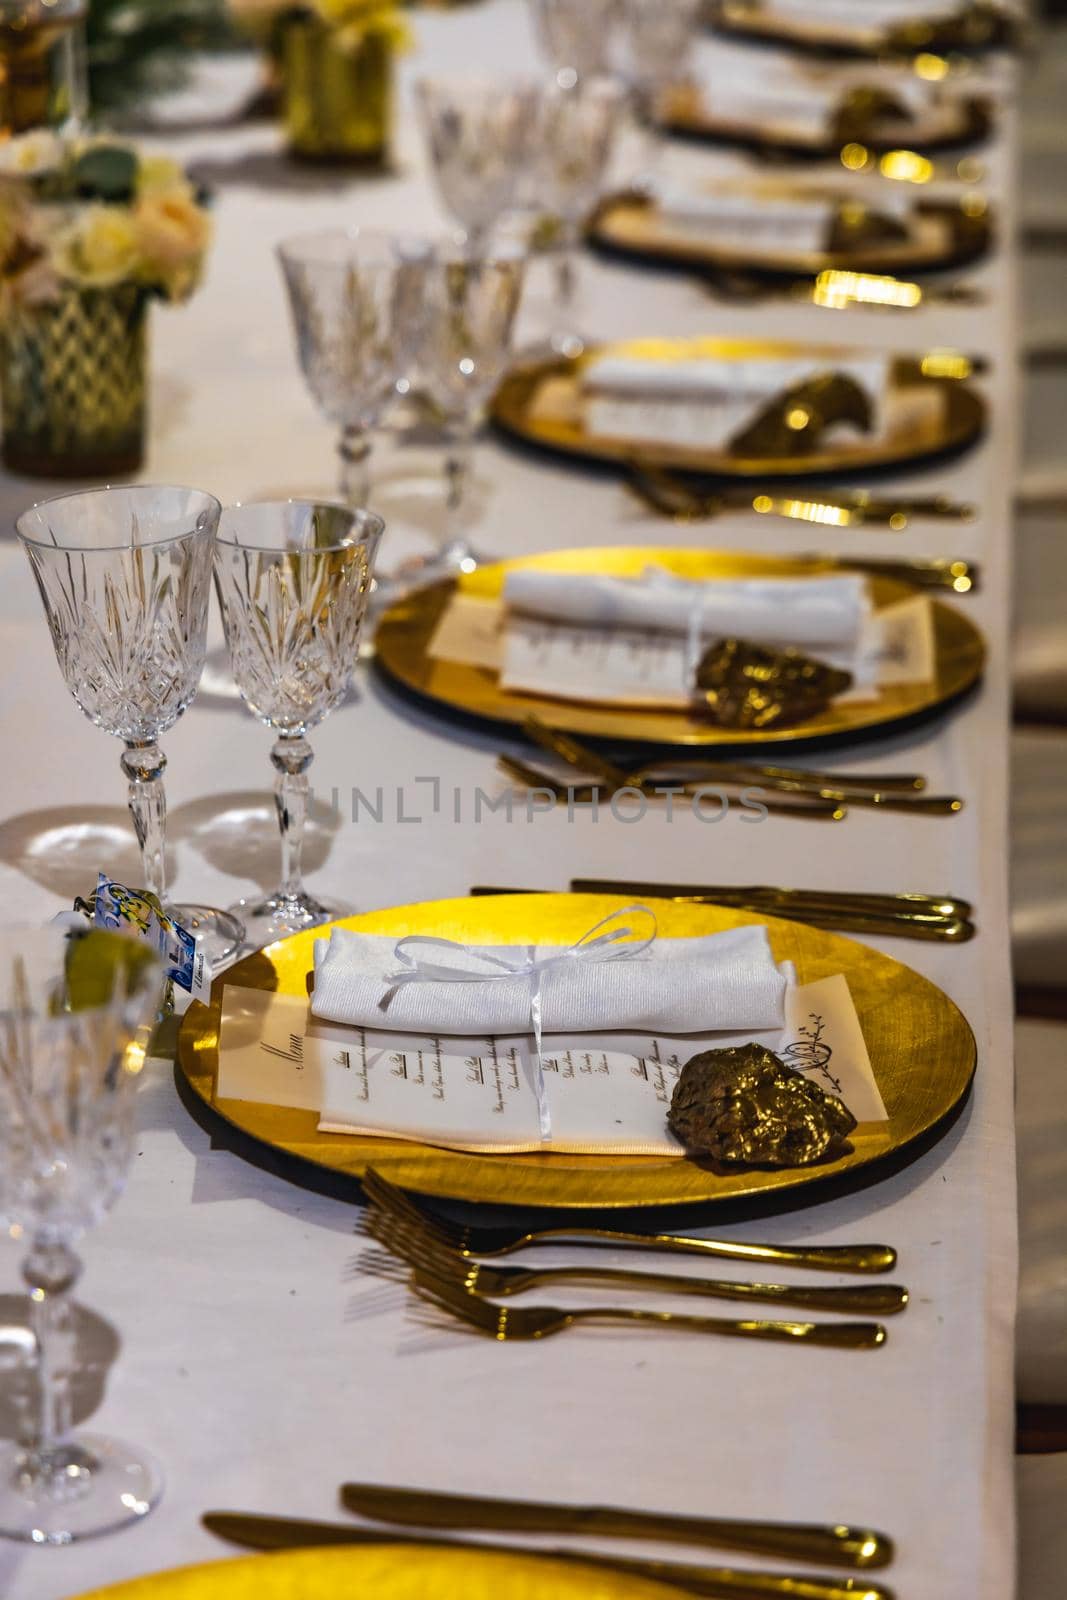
(250, 1361)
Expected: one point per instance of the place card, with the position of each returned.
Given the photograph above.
(606, 1093)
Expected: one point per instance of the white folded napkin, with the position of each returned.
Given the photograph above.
(861, 16)
(756, 219)
(802, 99)
(698, 402)
(811, 614)
(724, 981)
(747, 220)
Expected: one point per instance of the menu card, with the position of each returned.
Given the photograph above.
(606, 1093)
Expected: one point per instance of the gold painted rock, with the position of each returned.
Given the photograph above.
(743, 1104)
(749, 686)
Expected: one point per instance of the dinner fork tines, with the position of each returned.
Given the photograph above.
(540, 1322)
(895, 793)
(821, 807)
(414, 1243)
(470, 1240)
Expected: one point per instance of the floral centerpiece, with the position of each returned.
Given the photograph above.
(90, 232)
(335, 59)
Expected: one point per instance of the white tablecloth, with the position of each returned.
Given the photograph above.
(251, 1363)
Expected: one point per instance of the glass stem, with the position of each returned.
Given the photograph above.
(144, 766)
(50, 1271)
(567, 270)
(477, 240)
(292, 756)
(652, 141)
(354, 450)
(457, 477)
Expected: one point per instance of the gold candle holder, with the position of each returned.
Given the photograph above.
(338, 97)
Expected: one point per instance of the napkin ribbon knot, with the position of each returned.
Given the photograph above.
(696, 628)
(602, 942)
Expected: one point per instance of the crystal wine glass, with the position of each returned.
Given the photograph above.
(477, 132)
(576, 34)
(293, 578)
(75, 1013)
(354, 297)
(125, 577)
(577, 125)
(659, 37)
(471, 304)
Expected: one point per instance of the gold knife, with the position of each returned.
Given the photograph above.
(257, 1532)
(838, 1546)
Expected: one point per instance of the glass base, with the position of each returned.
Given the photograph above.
(96, 1486)
(455, 557)
(222, 933)
(281, 914)
(566, 342)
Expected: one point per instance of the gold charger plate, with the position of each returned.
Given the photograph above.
(970, 121)
(752, 19)
(921, 1050)
(540, 403)
(405, 631)
(943, 234)
(383, 1572)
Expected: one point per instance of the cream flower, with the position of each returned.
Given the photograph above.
(100, 248)
(29, 155)
(172, 234)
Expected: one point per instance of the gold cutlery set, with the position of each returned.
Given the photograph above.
(441, 1258)
(941, 918)
(837, 290)
(254, 1531)
(674, 495)
(467, 1290)
(789, 791)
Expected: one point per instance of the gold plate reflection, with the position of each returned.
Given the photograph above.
(687, 116)
(405, 631)
(751, 19)
(384, 1572)
(921, 1049)
(944, 235)
(540, 402)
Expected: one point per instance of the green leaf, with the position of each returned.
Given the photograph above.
(106, 172)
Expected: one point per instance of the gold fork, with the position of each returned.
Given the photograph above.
(414, 1243)
(540, 1322)
(502, 1240)
(835, 791)
(577, 753)
(818, 807)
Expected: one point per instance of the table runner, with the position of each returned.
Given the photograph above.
(254, 1368)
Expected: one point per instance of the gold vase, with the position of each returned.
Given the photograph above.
(72, 384)
(338, 98)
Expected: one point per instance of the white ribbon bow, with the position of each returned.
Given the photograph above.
(602, 942)
(693, 649)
